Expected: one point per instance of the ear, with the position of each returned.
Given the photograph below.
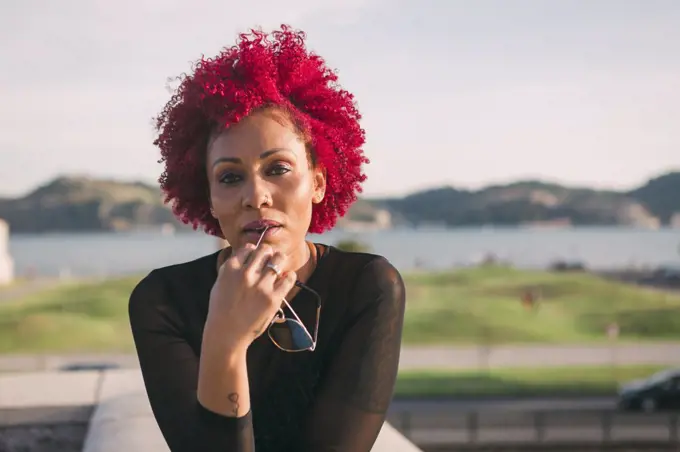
(212, 209)
(319, 184)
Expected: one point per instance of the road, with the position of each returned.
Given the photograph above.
(449, 406)
(454, 358)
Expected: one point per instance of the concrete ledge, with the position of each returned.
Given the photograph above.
(124, 422)
(119, 382)
(390, 440)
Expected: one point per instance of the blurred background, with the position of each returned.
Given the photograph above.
(524, 178)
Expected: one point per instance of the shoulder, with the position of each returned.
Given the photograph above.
(354, 259)
(154, 288)
(186, 271)
(371, 276)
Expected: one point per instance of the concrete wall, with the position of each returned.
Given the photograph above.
(6, 262)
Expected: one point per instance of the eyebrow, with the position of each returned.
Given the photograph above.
(263, 156)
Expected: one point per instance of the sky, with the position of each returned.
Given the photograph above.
(452, 92)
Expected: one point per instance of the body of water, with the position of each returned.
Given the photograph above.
(105, 254)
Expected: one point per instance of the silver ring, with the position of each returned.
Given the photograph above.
(273, 267)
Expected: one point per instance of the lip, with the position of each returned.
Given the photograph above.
(257, 225)
(255, 236)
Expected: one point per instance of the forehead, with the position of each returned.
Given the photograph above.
(255, 134)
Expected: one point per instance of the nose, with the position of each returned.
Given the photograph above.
(255, 194)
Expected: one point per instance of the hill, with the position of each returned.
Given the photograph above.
(87, 204)
(540, 203)
(660, 195)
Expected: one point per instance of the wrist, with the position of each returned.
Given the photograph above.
(216, 340)
(223, 377)
(220, 356)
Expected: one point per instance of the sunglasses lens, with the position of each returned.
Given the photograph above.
(290, 335)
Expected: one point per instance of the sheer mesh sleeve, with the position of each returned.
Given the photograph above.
(351, 406)
(170, 370)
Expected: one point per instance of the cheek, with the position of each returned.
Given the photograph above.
(296, 194)
(224, 200)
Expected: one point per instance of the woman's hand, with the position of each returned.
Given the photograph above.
(247, 294)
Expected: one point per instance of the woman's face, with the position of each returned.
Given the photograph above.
(259, 174)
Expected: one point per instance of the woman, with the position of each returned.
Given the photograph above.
(273, 343)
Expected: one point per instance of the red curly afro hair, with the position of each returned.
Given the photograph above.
(262, 71)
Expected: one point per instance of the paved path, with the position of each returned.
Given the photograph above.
(25, 288)
(460, 358)
(665, 354)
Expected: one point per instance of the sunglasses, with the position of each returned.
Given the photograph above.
(290, 334)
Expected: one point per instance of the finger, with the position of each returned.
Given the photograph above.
(258, 259)
(240, 257)
(270, 274)
(284, 284)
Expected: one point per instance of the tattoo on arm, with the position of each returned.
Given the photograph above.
(233, 398)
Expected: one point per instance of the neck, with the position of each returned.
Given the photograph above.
(301, 260)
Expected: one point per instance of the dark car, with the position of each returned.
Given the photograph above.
(664, 276)
(659, 392)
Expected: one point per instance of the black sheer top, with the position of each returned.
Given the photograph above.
(333, 399)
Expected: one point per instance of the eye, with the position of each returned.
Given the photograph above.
(229, 178)
(279, 169)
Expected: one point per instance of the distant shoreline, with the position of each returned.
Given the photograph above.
(367, 230)
(103, 254)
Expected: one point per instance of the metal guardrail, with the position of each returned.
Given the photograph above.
(508, 430)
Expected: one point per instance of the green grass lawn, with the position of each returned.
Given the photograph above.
(471, 306)
(483, 305)
(581, 381)
(69, 318)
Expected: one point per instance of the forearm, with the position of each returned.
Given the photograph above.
(223, 375)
